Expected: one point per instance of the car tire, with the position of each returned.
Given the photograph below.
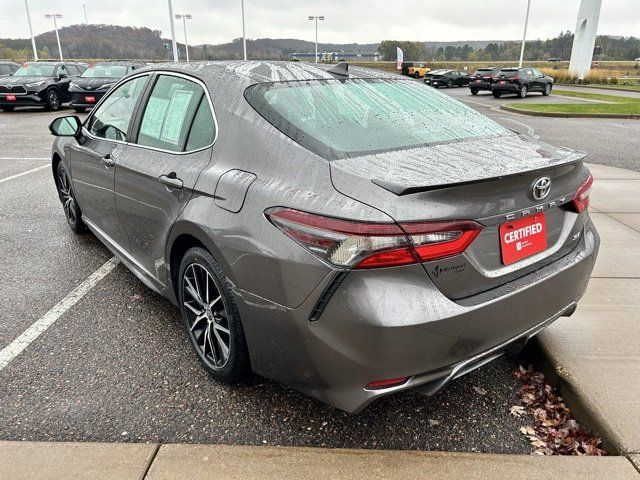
(210, 317)
(449, 84)
(7, 108)
(53, 100)
(474, 91)
(523, 92)
(547, 90)
(69, 204)
(416, 74)
(80, 109)
(497, 94)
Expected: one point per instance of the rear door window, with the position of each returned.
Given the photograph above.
(169, 113)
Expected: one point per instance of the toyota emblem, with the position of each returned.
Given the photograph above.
(541, 188)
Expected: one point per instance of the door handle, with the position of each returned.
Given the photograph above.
(171, 180)
(108, 161)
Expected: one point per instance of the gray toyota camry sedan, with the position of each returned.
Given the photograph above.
(344, 231)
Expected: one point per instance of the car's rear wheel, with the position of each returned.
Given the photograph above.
(449, 84)
(474, 91)
(7, 108)
(522, 93)
(71, 209)
(80, 109)
(53, 100)
(211, 318)
(497, 94)
(416, 74)
(547, 90)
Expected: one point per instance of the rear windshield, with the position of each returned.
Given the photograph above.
(484, 71)
(105, 71)
(509, 73)
(347, 118)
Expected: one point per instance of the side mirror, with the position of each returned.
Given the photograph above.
(70, 126)
(62, 75)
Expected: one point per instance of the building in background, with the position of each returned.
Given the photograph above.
(338, 56)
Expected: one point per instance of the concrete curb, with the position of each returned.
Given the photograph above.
(568, 115)
(632, 90)
(107, 461)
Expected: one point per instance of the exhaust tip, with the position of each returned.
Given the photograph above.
(569, 311)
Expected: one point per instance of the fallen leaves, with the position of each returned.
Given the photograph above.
(480, 390)
(554, 431)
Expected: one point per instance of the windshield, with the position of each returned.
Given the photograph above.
(346, 118)
(105, 71)
(35, 70)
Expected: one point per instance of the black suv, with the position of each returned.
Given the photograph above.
(44, 84)
(521, 81)
(8, 68)
(96, 80)
(447, 78)
(482, 79)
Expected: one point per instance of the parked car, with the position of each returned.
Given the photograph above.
(482, 79)
(414, 69)
(8, 68)
(43, 84)
(96, 80)
(448, 78)
(337, 250)
(521, 81)
(554, 60)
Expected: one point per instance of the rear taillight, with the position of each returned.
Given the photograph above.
(582, 199)
(348, 244)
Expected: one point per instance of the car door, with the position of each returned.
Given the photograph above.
(463, 80)
(155, 179)
(94, 159)
(531, 80)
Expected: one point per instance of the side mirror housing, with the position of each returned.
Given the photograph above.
(62, 75)
(69, 126)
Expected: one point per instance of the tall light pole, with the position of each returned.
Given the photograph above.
(33, 40)
(244, 36)
(84, 7)
(185, 17)
(173, 33)
(55, 17)
(316, 18)
(524, 36)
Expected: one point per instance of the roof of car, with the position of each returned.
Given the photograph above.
(269, 71)
(124, 63)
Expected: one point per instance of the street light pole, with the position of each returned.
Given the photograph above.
(84, 7)
(524, 36)
(244, 36)
(316, 18)
(173, 33)
(184, 18)
(33, 40)
(55, 17)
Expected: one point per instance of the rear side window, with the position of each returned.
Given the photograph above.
(346, 118)
(203, 130)
(169, 113)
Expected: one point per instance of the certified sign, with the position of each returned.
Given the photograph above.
(523, 237)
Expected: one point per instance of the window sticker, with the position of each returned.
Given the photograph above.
(175, 116)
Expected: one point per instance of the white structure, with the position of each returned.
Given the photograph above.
(585, 38)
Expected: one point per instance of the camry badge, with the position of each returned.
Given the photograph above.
(541, 188)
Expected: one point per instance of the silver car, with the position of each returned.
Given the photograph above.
(344, 231)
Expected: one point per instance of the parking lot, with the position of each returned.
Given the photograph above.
(116, 366)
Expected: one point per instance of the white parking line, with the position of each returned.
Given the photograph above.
(18, 175)
(12, 350)
(24, 158)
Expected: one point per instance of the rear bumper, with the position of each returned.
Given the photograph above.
(480, 85)
(507, 87)
(394, 322)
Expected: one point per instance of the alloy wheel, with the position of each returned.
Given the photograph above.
(207, 316)
(66, 197)
(54, 100)
(523, 91)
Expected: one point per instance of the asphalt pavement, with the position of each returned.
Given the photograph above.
(116, 365)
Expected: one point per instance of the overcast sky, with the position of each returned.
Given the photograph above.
(347, 21)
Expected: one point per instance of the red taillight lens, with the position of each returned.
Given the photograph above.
(391, 382)
(434, 240)
(583, 195)
(362, 245)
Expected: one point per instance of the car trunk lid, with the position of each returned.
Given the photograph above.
(488, 180)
